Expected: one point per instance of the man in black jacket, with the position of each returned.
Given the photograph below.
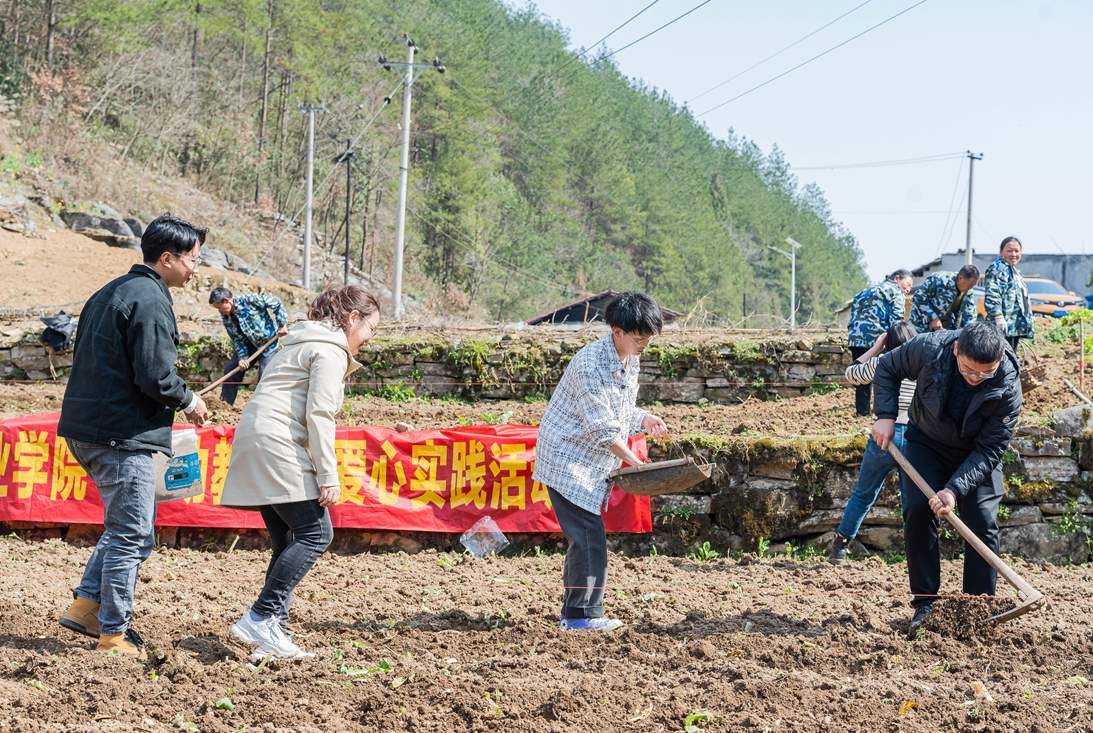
(962, 418)
(122, 395)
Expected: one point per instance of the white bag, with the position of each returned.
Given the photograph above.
(179, 477)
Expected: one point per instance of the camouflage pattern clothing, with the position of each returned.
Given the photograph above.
(254, 320)
(1006, 296)
(874, 311)
(934, 298)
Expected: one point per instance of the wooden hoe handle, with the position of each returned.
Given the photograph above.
(217, 383)
(1031, 598)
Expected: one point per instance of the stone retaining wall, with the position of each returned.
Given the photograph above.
(791, 493)
(673, 369)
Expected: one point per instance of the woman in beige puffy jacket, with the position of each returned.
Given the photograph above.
(283, 462)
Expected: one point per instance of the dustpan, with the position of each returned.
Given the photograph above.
(662, 477)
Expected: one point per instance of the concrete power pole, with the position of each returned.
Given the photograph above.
(972, 157)
(347, 158)
(792, 255)
(404, 164)
(310, 111)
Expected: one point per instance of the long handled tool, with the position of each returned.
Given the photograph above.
(1031, 598)
(224, 378)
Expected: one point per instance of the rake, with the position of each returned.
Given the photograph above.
(1031, 598)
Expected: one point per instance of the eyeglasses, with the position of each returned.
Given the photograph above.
(190, 260)
(972, 374)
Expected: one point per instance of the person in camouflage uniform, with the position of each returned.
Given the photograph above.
(873, 312)
(944, 300)
(250, 320)
(1006, 300)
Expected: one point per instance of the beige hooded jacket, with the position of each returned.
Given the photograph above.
(283, 449)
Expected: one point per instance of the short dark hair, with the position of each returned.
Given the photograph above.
(900, 275)
(169, 233)
(1007, 240)
(968, 272)
(219, 295)
(634, 312)
(898, 334)
(981, 342)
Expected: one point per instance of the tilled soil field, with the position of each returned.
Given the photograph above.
(437, 642)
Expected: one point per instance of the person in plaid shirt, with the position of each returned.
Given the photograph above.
(583, 438)
(250, 320)
(945, 300)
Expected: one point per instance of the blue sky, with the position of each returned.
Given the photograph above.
(1008, 78)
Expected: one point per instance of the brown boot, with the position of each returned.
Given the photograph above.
(82, 617)
(127, 644)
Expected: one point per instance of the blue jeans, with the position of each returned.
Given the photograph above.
(230, 389)
(876, 464)
(300, 531)
(127, 488)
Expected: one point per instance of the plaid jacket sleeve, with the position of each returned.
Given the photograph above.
(596, 408)
(273, 305)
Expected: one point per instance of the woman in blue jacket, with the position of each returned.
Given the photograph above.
(1006, 296)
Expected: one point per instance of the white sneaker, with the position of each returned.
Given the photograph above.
(267, 636)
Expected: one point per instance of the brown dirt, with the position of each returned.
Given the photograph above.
(472, 645)
(968, 618)
(64, 269)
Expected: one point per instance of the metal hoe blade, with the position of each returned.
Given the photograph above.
(1031, 598)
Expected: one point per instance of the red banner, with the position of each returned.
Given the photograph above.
(431, 480)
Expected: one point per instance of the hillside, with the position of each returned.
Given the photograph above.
(536, 175)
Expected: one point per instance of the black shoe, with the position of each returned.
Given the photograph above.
(839, 546)
(918, 620)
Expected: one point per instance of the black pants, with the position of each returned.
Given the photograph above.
(1013, 341)
(300, 532)
(585, 570)
(229, 390)
(978, 509)
(863, 393)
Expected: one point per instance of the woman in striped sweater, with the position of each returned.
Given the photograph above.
(876, 464)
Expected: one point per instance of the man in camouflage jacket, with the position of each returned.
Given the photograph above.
(945, 300)
(873, 312)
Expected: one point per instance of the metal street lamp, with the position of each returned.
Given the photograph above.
(792, 255)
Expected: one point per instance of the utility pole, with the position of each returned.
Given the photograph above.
(792, 255)
(347, 158)
(310, 110)
(972, 157)
(404, 162)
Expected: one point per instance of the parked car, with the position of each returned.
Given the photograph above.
(1048, 298)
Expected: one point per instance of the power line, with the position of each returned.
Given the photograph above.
(810, 60)
(896, 212)
(952, 200)
(546, 77)
(882, 163)
(779, 52)
(658, 30)
(565, 290)
(614, 30)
